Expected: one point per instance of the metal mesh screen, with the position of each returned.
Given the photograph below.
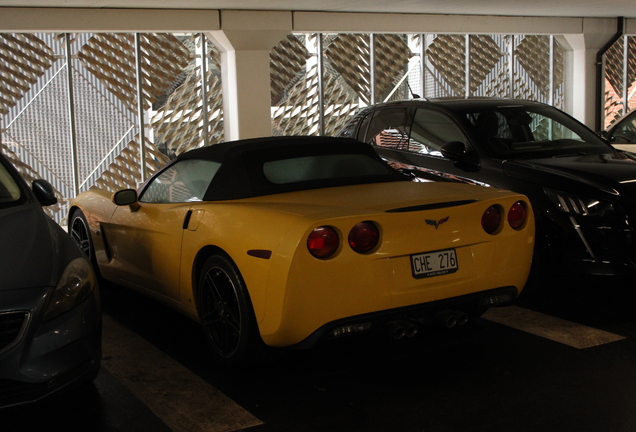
(489, 66)
(34, 102)
(446, 64)
(25, 58)
(125, 171)
(296, 101)
(42, 131)
(287, 60)
(349, 56)
(528, 67)
(178, 124)
(111, 58)
(620, 79)
(392, 54)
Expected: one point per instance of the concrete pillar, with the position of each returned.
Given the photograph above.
(245, 41)
(581, 67)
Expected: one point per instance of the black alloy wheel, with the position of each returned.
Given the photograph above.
(79, 231)
(226, 314)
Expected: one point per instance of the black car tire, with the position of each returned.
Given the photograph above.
(226, 313)
(80, 233)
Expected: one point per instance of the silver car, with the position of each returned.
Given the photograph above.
(50, 316)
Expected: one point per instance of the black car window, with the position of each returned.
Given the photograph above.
(493, 129)
(532, 131)
(321, 167)
(9, 189)
(388, 128)
(184, 181)
(431, 130)
(625, 133)
(543, 129)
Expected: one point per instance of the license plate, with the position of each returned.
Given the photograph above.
(434, 263)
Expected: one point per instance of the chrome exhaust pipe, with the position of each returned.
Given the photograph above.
(461, 317)
(410, 329)
(395, 330)
(401, 328)
(447, 318)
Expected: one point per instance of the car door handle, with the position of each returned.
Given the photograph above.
(192, 219)
(186, 220)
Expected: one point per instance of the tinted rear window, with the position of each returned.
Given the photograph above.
(322, 167)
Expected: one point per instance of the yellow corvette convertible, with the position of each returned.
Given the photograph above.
(284, 241)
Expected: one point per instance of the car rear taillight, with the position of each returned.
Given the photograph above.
(364, 237)
(323, 242)
(491, 219)
(517, 215)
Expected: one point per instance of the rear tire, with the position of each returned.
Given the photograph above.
(226, 313)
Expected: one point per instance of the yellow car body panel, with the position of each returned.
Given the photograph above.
(293, 293)
(304, 293)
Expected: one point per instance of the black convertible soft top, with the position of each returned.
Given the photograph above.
(241, 172)
(276, 147)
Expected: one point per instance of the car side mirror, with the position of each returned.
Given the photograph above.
(44, 192)
(126, 197)
(454, 150)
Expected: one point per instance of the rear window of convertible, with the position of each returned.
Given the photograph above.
(322, 167)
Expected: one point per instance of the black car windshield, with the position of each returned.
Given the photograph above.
(10, 192)
(533, 132)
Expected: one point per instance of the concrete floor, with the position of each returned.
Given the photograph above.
(563, 359)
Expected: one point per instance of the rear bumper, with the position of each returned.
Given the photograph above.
(473, 305)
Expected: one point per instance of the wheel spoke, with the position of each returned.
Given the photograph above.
(75, 235)
(214, 289)
(79, 233)
(210, 319)
(234, 320)
(221, 315)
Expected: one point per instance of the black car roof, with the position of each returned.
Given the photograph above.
(241, 176)
(275, 146)
(462, 103)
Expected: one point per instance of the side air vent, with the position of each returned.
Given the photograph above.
(431, 206)
(12, 326)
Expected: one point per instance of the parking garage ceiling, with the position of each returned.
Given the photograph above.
(562, 8)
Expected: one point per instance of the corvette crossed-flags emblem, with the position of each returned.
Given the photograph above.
(437, 223)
